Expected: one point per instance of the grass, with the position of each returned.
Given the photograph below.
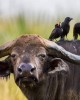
(12, 28)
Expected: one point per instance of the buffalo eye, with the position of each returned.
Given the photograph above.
(42, 57)
(13, 56)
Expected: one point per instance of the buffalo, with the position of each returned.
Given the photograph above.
(42, 69)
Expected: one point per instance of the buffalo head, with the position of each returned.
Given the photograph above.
(32, 58)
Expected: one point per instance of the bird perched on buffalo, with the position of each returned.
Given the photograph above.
(76, 30)
(56, 32)
(66, 27)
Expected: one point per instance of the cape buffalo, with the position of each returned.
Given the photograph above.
(39, 69)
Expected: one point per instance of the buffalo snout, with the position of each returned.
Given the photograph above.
(25, 68)
(25, 74)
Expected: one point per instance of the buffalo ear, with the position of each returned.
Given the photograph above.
(5, 68)
(56, 65)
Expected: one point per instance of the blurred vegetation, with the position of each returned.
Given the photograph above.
(14, 27)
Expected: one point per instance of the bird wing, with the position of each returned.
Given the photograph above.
(52, 34)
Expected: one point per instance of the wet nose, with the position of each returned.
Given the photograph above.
(25, 68)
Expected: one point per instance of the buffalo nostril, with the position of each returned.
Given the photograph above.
(19, 70)
(33, 69)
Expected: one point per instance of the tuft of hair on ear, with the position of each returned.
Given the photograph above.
(5, 74)
(5, 77)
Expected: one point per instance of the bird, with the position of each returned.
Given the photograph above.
(56, 32)
(76, 30)
(66, 27)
